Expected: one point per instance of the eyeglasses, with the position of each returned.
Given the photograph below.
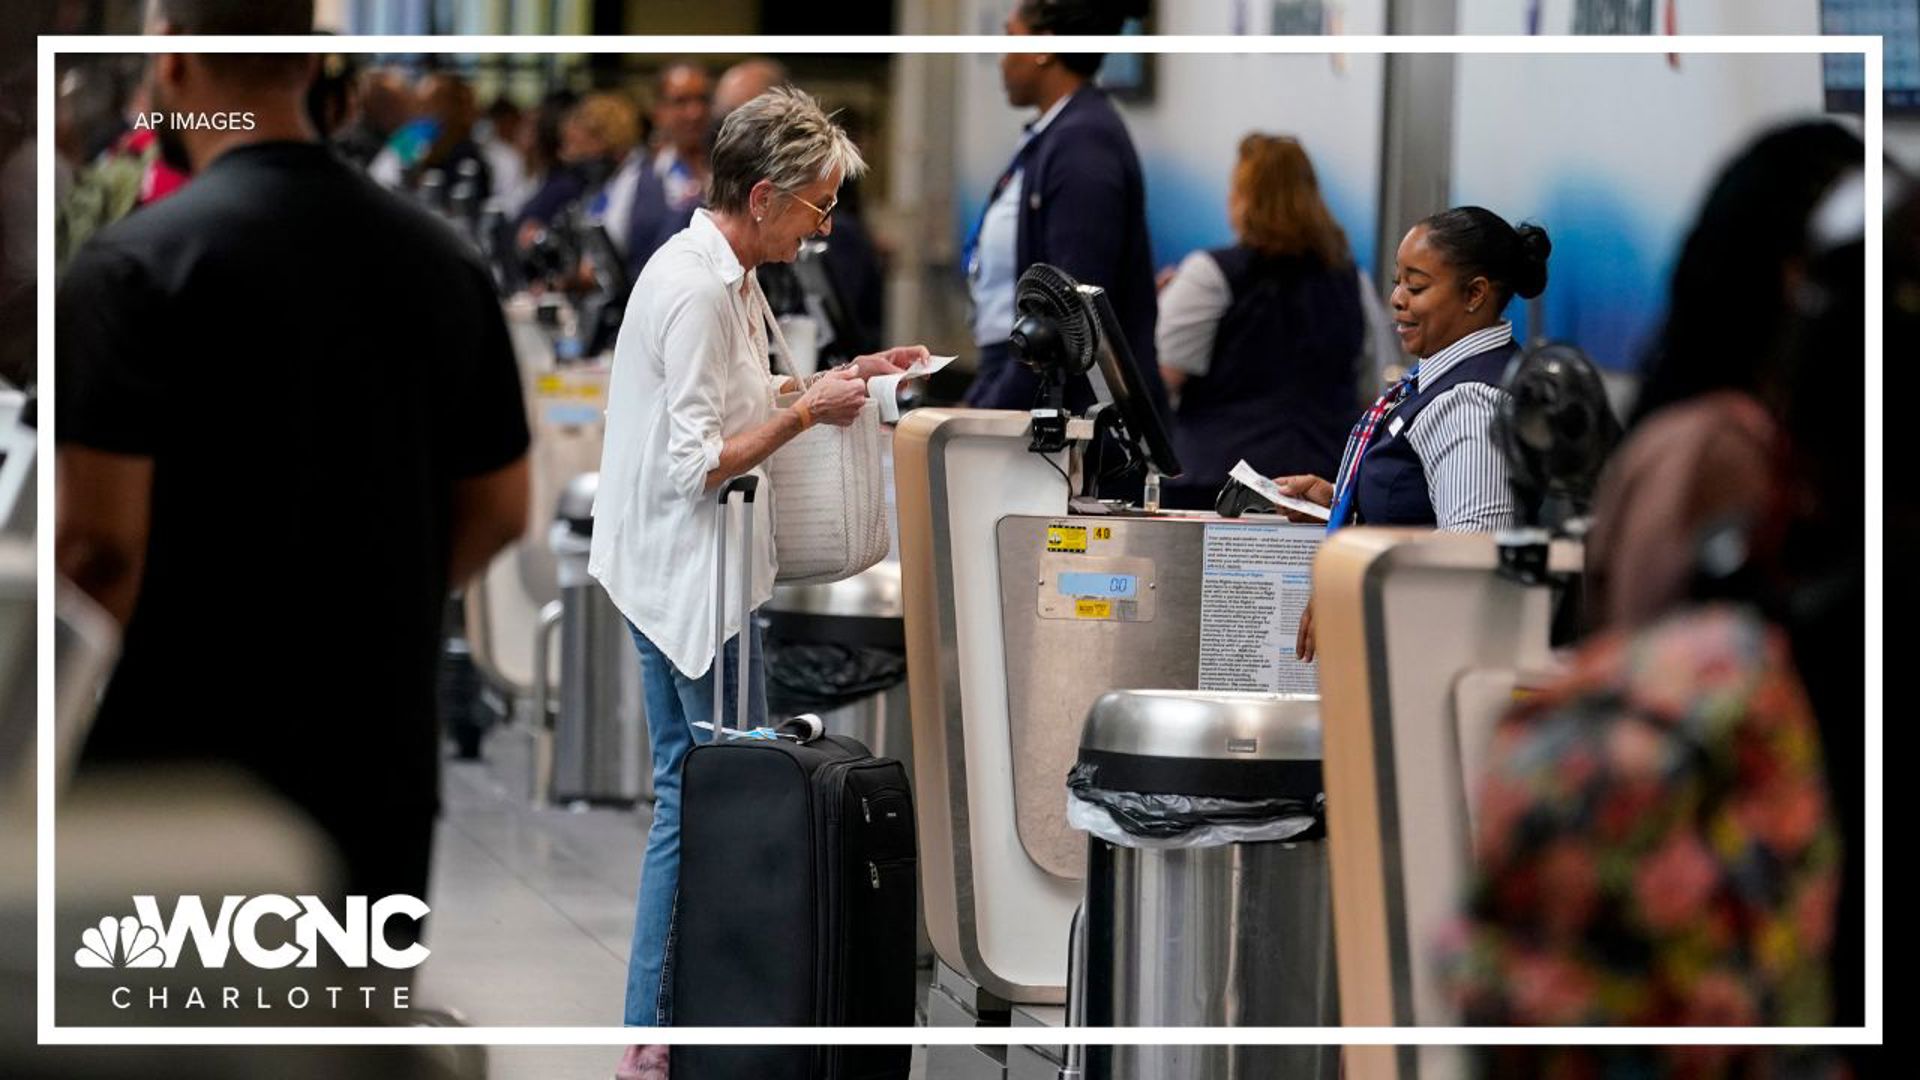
(823, 214)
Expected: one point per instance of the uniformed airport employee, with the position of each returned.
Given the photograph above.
(1423, 454)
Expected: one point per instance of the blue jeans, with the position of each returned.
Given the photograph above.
(674, 704)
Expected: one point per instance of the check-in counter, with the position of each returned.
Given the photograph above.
(1019, 615)
(1424, 643)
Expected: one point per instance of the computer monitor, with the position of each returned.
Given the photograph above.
(1116, 378)
(602, 310)
(610, 275)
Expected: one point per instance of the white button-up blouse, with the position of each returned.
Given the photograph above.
(689, 370)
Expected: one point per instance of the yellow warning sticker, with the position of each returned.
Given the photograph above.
(1092, 609)
(563, 386)
(1066, 538)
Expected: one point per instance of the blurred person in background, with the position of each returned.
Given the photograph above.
(596, 136)
(447, 114)
(303, 648)
(1265, 345)
(133, 168)
(656, 188)
(500, 140)
(1073, 197)
(161, 170)
(1735, 445)
(745, 81)
(682, 118)
(1701, 401)
(853, 261)
(539, 144)
(330, 99)
(1674, 830)
(383, 99)
(90, 95)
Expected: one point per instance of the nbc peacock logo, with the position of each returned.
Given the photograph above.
(125, 942)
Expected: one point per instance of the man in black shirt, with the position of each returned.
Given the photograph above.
(288, 417)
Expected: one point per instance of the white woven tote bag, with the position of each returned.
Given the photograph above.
(829, 497)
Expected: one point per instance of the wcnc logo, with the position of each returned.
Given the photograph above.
(358, 938)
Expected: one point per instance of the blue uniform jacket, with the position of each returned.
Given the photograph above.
(1083, 208)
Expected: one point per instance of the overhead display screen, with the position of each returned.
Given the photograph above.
(1897, 23)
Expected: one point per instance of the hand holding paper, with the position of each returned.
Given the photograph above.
(1270, 491)
(889, 361)
(885, 388)
(835, 401)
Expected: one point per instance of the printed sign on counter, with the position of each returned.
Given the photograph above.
(1255, 585)
(1066, 538)
(572, 398)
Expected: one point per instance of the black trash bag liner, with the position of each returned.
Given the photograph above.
(820, 677)
(1161, 817)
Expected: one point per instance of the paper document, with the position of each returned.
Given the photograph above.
(885, 389)
(1256, 580)
(1271, 492)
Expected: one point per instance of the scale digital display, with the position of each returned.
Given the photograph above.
(1102, 586)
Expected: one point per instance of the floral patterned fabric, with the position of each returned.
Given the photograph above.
(1653, 841)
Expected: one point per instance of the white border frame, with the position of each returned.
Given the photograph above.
(1481, 44)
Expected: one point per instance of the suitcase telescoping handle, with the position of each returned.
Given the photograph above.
(746, 487)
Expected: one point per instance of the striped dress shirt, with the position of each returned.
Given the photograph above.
(1467, 477)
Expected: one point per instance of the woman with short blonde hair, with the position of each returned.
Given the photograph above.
(692, 404)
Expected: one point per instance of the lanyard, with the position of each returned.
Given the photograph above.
(1347, 482)
(970, 249)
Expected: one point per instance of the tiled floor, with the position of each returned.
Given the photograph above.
(532, 913)
(532, 907)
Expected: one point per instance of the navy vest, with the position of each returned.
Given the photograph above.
(1279, 389)
(1392, 485)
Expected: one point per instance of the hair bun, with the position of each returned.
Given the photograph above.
(1530, 276)
(1105, 17)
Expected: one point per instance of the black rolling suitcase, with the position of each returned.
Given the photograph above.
(797, 897)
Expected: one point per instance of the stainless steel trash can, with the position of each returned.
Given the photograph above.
(1221, 932)
(600, 751)
(863, 611)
